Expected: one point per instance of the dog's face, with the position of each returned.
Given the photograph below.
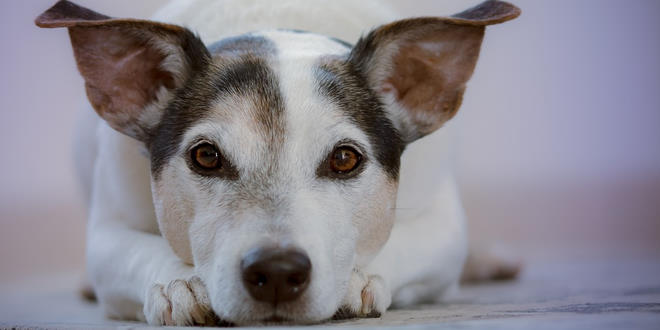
(275, 155)
(265, 149)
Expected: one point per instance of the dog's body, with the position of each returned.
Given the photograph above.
(151, 220)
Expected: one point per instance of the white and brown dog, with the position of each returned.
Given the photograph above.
(254, 178)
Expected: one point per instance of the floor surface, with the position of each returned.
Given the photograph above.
(605, 294)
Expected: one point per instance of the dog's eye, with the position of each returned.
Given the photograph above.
(344, 159)
(206, 156)
(206, 160)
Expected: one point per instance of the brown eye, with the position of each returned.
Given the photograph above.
(344, 160)
(206, 156)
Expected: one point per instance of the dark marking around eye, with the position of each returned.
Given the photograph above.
(347, 87)
(245, 74)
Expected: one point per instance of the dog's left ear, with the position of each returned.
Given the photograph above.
(130, 67)
(420, 66)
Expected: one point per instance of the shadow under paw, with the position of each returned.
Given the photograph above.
(345, 314)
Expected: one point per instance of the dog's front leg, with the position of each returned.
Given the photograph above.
(133, 270)
(137, 276)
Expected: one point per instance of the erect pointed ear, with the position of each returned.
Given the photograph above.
(420, 66)
(130, 67)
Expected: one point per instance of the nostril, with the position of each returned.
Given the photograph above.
(297, 279)
(256, 279)
(275, 274)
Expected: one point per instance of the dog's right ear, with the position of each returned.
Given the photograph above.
(130, 67)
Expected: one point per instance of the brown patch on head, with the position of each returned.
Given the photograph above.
(248, 78)
(244, 71)
(346, 86)
(127, 62)
(216, 93)
(424, 63)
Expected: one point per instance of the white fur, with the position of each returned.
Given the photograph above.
(131, 265)
(215, 20)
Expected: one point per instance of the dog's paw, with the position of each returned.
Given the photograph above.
(492, 264)
(367, 296)
(180, 303)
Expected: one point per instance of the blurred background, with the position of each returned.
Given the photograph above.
(558, 150)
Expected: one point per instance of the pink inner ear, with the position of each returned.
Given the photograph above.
(428, 74)
(122, 74)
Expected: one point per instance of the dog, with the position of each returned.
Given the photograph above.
(258, 178)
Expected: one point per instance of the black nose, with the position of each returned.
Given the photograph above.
(275, 274)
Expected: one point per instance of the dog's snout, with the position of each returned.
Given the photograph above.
(276, 274)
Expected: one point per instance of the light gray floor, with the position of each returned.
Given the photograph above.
(605, 294)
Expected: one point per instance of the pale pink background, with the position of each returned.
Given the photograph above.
(559, 150)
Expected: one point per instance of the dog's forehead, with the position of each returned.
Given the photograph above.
(273, 119)
(294, 44)
(276, 91)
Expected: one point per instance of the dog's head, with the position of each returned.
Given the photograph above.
(275, 155)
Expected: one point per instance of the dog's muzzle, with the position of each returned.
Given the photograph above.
(274, 274)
